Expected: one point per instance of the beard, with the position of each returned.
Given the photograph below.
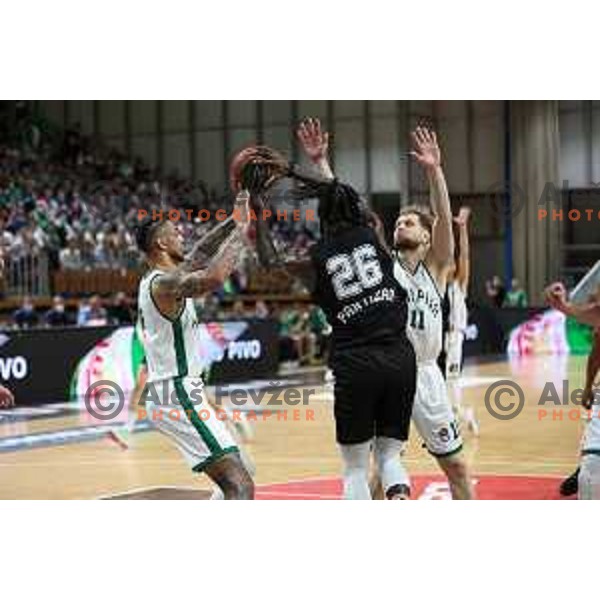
(406, 244)
(177, 256)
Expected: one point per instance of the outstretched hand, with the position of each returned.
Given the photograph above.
(556, 296)
(426, 149)
(7, 400)
(463, 216)
(315, 141)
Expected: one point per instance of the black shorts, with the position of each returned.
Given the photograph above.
(374, 392)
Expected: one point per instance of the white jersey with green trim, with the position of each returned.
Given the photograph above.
(172, 346)
(424, 324)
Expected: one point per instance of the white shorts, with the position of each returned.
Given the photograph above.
(432, 415)
(179, 409)
(589, 477)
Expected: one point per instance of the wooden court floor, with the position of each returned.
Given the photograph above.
(531, 444)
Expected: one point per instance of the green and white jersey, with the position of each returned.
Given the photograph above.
(172, 345)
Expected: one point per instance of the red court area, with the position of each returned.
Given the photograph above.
(425, 487)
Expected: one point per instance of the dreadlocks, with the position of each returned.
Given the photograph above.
(340, 206)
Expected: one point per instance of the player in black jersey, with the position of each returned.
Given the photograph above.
(350, 274)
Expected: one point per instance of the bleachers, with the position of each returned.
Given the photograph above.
(72, 283)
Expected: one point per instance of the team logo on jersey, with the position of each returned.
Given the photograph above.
(418, 297)
(443, 433)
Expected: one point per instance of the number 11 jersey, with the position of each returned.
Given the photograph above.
(356, 288)
(424, 310)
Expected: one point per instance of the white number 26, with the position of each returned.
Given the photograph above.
(352, 273)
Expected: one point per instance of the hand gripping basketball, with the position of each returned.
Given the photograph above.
(256, 169)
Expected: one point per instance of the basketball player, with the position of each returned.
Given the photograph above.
(454, 310)
(7, 400)
(588, 474)
(570, 485)
(371, 357)
(169, 325)
(425, 248)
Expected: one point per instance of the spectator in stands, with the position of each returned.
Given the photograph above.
(210, 310)
(320, 331)
(238, 310)
(516, 297)
(57, 315)
(70, 257)
(26, 316)
(495, 291)
(92, 313)
(120, 311)
(290, 334)
(261, 310)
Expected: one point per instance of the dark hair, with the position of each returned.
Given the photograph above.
(426, 218)
(145, 231)
(340, 205)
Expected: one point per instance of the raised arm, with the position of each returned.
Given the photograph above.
(463, 263)
(315, 143)
(428, 155)
(196, 276)
(556, 296)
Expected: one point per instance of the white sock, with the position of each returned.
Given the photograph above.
(389, 463)
(356, 470)
(217, 494)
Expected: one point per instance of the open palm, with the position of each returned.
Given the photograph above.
(425, 147)
(314, 140)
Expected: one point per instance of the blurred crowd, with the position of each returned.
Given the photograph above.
(91, 312)
(501, 296)
(303, 328)
(78, 201)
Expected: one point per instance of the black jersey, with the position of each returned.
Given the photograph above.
(356, 288)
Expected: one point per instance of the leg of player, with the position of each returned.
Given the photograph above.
(455, 468)
(122, 435)
(356, 470)
(395, 483)
(589, 477)
(232, 478)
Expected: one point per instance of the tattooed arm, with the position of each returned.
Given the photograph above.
(191, 280)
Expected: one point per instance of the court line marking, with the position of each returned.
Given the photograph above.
(304, 495)
(175, 461)
(148, 488)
